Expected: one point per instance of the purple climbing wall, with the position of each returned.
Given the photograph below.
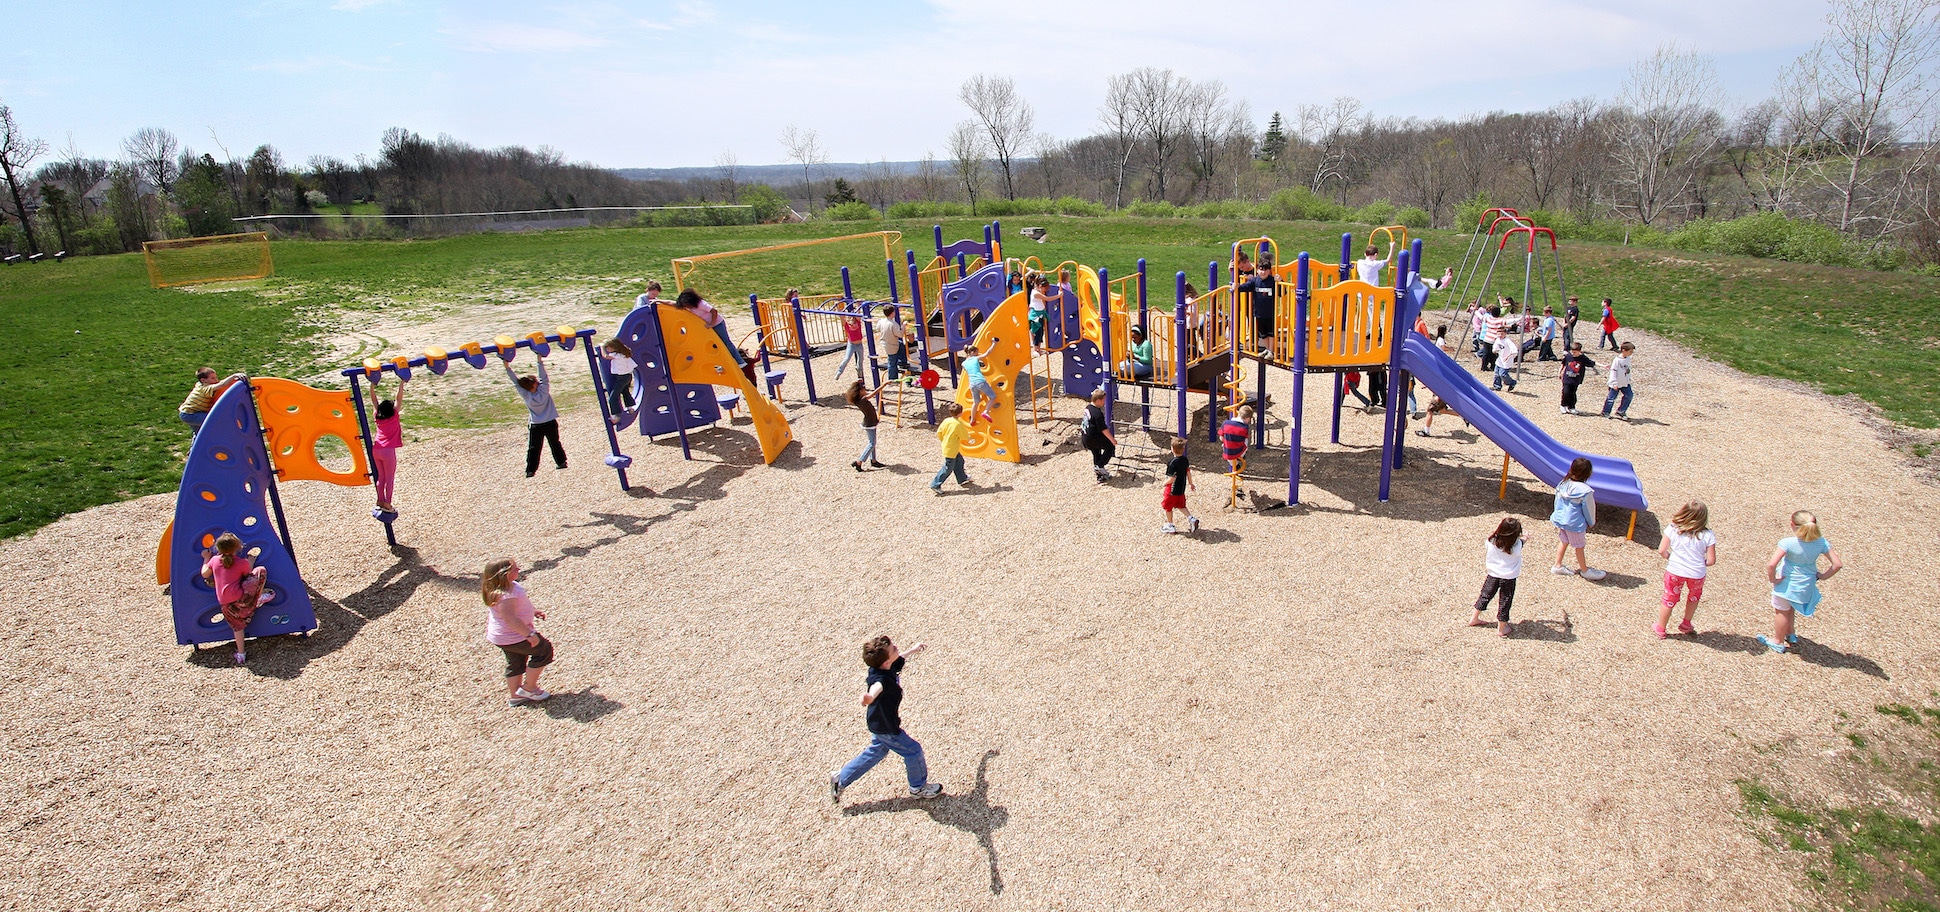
(225, 488)
(654, 396)
(977, 294)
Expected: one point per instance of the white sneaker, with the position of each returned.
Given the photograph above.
(1590, 573)
(535, 695)
(1168, 529)
(1562, 411)
(929, 791)
(835, 788)
(1192, 524)
(1561, 570)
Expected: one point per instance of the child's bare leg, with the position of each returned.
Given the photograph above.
(1782, 625)
(1581, 565)
(1664, 615)
(512, 684)
(531, 681)
(1561, 549)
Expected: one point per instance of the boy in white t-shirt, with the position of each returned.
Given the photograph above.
(1689, 547)
(1368, 268)
(1620, 383)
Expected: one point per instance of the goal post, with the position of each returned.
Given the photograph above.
(218, 258)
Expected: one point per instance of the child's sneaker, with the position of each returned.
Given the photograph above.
(1563, 411)
(929, 791)
(835, 788)
(535, 695)
(1561, 570)
(515, 701)
(1659, 631)
(986, 415)
(1590, 573)
(242, 657)
(1792, 638)
(1686, 629)
(966, 483)
(1775, 647)
(1192, 525)
(1168, 529)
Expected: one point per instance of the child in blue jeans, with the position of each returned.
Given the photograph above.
(884, 697)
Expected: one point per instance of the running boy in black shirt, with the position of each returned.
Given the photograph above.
(1095, 432)
(1574, 367)
(884, 697)
(1178, 478)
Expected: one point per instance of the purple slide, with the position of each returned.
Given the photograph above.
(1615, 480)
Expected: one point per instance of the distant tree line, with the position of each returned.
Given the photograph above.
(160, 188)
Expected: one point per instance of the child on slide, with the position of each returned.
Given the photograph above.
(387, 435)
(240, 586)
(1794, 574)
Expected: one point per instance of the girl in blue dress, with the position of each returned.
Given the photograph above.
(1794, 573)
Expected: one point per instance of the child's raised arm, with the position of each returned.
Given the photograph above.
(397, 401)
(919, 647)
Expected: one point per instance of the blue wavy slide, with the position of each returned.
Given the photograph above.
(1615, 480)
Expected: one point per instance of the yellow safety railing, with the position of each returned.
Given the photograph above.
(777, 322)
(1349, 324)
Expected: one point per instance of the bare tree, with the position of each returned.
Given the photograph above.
(1118, 115)
(968, 154)
(1867, 82)
(1212, 122)
(930, 181)
(805, 147)
(1665, 130)
(728, 167)
(1006, 118)
(17, 154)
(1326, 129)
(155, 154)
(1051, 161)
(1159, 108)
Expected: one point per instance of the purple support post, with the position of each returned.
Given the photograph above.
(801, 343)
(1300, 341)
(1346, 255)
(922, 331)
(987, 256)
(1218, 380)
(370, 457)
(963, 266)
(994, 241)
(1104, 343)
(1340, 392)
(602, 379)
(1179, 330)
(275, 497)
(937, 231)
(1144, 326)
(1389, 421)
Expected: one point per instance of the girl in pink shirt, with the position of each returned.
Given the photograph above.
(853, 329)
(509, 626)
(387, 434)
(690, 300)
(240, 586)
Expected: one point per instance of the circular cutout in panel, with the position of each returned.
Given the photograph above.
(293, 408)
(207, 494)
(222, 455)
(333, 453)
(249, 522)
(213, 619)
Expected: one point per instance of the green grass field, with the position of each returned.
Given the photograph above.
(91, 416)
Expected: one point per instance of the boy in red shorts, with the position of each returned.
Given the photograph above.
(1178, 477)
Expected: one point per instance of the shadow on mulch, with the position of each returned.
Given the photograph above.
(1548, 631)
(971, 813)
(1807, 650)
(587, 705)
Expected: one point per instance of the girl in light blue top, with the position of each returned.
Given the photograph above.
(982, 397)
(1574, 514)
(1794, 573)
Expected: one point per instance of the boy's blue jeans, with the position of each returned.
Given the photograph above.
(950, 463)
(1623, 407)
(881, 746)
(1503, 376)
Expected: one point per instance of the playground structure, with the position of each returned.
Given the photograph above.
(678, 362)
(1336, 323)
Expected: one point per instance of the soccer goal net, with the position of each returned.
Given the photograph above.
(221, 258)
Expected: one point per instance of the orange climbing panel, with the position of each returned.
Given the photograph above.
(695, 355)
(296, 417)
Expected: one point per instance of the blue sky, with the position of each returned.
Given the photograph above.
(661, 84)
